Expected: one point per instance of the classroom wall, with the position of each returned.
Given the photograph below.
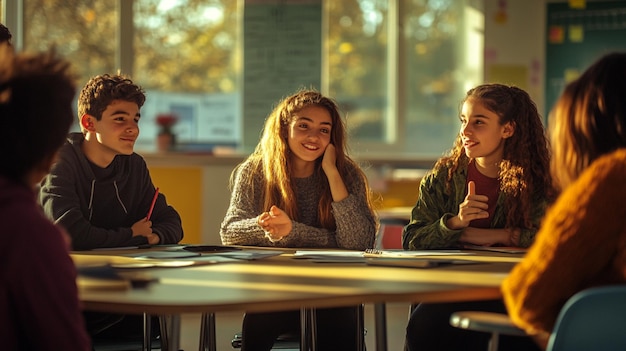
(515, 45)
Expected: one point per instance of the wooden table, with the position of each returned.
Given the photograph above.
(287, 283)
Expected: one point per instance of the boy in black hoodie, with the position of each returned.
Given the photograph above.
(100, 190)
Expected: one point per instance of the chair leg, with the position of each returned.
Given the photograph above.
(147, 332)
(493, 342)
(360, 324)
(163, 325)
(380, 316)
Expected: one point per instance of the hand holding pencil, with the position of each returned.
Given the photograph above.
(144, 226)
(154, 198)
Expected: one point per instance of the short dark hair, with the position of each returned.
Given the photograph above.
(101, 90)
(5, 34)
(36, 94)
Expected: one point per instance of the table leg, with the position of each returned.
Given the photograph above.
(308, 326)
(207, 332)
(380, 316)
(313, 327)
(304, 329)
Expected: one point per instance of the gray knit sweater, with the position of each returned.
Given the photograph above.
(356, 225)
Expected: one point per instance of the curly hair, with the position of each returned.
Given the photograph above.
(101, 90)
(271, 156)
(589, 119)
(525, 166)
(36, 94)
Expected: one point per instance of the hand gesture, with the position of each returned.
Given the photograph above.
(474, 207)
(276, 223)
(142, 227)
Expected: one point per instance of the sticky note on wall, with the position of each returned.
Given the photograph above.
(577, 4)
(571, 74)
(556, 34)
(576, 34)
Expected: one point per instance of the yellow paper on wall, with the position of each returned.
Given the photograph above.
(577, 4)
(571, 74)
(576, 33)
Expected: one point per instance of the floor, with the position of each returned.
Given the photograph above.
(227, 324)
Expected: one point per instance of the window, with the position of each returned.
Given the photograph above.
(187, 58)
(398, 68)
(358, 43)
(83, 31)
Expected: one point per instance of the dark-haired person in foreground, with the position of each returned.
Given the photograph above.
(38, 294)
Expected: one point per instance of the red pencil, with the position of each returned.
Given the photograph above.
(156, 193)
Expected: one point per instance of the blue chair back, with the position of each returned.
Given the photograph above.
(592, 319)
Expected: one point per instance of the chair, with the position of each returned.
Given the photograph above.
(592, 319)
(151, 339)
(390, 233)
(292, 341)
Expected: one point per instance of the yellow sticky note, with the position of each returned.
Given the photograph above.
(577, 4)
(571, 74)
(576, 33)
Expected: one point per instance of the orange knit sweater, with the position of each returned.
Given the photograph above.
(581, 243)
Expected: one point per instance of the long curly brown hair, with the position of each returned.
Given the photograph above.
(525, 167)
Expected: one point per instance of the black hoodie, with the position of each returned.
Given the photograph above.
(98, 209)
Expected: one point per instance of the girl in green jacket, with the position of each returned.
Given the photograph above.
(491, 190)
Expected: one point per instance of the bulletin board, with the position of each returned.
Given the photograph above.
(282, 53)
(578, 33)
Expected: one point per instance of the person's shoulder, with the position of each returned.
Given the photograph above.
(601, 183)
(24, 216)
(133, 162)
(353, 166)
(13, 193)
(609, 166)
(616, 158)
(136, 158)
(438, 172)
(71, 150)
(248, 166)
(68, 161)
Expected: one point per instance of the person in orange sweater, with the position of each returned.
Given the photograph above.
(582, 239)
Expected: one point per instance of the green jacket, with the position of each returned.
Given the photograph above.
(435, 205)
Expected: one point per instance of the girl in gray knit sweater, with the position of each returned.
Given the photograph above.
(300, 189)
